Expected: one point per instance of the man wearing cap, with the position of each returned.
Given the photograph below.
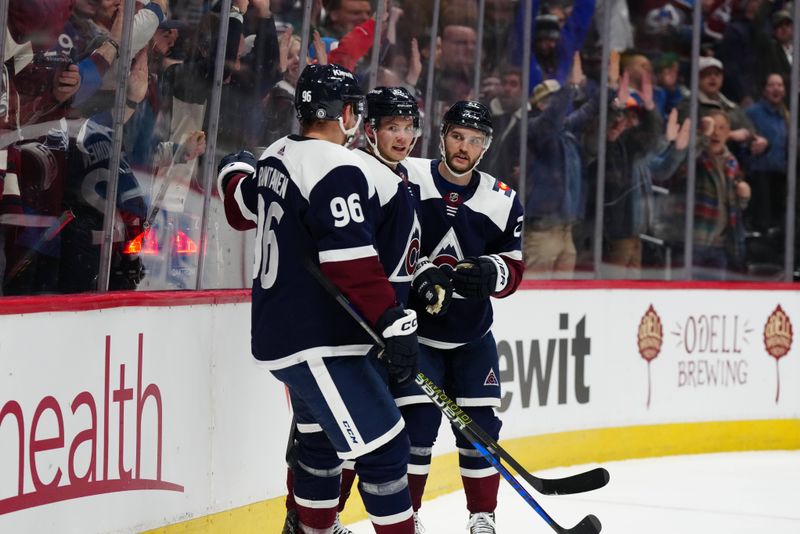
(554, 175)
(710, 97)
(775, 51)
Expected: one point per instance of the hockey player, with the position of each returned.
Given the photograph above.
(391, 129)
(310, 200)
(472, 227)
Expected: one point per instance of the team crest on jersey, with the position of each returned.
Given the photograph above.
(448, 251)
(502, 187)
(491, 379)
(404, 271)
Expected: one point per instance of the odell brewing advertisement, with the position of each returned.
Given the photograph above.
(587, 359)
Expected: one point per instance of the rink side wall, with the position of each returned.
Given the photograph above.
(131, 412)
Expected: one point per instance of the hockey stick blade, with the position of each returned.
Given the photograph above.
(577, 483)
(588, 525)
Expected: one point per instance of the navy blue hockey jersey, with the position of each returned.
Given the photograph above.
(398, 229)
(310, 199)
(483, 217)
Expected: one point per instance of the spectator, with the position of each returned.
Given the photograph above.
(257, 72)
(278, 105)
(85, 196)
(555, 193)
(637, 157)
(743, 135)
(776, 52)
(638, 67)
(736, 51)
(502, 157)
(669, 92)
(458, 48)
(104, 31)
(720, 196)
(768, 170)
(39, 86)
(344, 15)
(621, 32)
(554, 45)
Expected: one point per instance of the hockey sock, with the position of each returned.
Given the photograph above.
(316, 520)
(290, 504)
(481, 480)
(384, 487)
(348, 476)
(422, 422)
(416, 485)
(481, 493)
(316, 476)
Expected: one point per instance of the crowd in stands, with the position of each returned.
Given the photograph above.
(60, 82)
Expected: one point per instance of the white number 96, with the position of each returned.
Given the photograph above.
(344, 212)
(306, 96)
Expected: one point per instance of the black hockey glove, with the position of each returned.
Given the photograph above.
(432, 286)
(232, 164)
(481, 277)
(398, 328)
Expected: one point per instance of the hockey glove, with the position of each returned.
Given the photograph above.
(233, 164)
(481, 277)
(398, 328)
(432, 286)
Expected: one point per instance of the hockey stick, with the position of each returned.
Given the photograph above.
(578, 483)
(464, 424)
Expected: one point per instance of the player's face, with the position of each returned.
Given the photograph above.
(463, 147)
(395, 137)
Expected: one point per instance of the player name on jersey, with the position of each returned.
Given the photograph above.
(273, 179)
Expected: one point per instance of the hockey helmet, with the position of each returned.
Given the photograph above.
(391, 102)
(469, 114)
(324, 90)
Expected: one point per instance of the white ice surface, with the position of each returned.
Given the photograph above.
(730, 493)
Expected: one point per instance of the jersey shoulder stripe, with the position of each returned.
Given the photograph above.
(419, 172)
(492, 198)
(384, 180)
(309, 161)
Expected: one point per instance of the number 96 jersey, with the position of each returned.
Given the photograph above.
(309, 200)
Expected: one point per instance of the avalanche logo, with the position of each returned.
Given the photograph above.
(448, 251)
(491, 379)
(404, 271)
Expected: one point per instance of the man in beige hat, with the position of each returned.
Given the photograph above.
(710, 97)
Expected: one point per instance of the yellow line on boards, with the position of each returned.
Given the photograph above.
(537, 453)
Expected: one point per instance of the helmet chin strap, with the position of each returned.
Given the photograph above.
(377, 153)
(444, 160)
(351, 133)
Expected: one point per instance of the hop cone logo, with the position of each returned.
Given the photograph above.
(649, 340)
(778, 340)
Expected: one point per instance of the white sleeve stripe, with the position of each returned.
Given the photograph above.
(345, 254)
(512, 254)
(231, 168)
(246, 213)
